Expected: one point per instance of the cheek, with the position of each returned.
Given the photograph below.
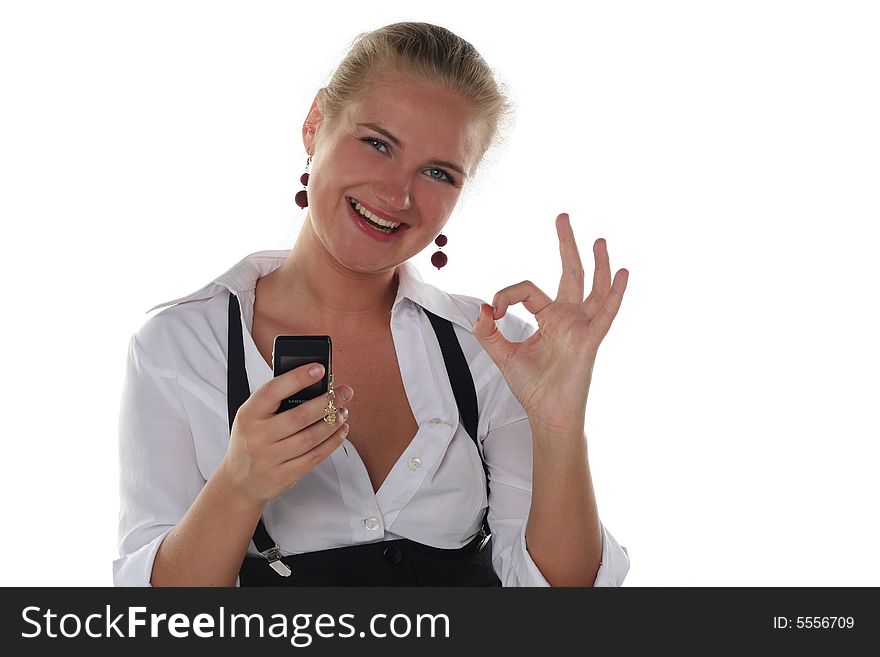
(439, 203)
(341, 166)
(350, 157)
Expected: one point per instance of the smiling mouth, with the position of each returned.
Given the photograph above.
(377, 222)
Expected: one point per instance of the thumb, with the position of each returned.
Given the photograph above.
(490, 338)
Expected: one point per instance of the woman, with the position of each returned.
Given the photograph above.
(456, 419)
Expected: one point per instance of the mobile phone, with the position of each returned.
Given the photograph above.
(292, 351)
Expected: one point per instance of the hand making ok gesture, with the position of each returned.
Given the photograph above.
(550, 372)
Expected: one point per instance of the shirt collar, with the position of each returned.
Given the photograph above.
(243, 277)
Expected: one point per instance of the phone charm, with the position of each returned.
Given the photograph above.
(330, 411)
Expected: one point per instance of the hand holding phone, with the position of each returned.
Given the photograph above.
(269, 450)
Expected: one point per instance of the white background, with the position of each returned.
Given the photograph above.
(727, 151)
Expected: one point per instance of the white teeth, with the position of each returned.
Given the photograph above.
(369, 215)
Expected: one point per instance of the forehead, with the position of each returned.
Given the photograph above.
(427, 119)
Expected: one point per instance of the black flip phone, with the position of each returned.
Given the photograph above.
(292, 351)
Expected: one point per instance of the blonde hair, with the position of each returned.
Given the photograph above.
(428, 52)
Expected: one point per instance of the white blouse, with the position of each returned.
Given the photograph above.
(174, 431)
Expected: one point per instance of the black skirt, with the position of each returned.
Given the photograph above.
(400, 562)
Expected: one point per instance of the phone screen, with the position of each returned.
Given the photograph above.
(287, 363)
(293, 351)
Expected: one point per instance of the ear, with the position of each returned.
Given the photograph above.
(313, 121)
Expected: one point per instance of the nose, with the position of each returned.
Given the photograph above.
(394, 193)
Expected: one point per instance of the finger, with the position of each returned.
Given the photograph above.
(525, 292)
(289, 422)
(571, 284)
(602, 322)
(301, 442)
(268, 397)
(309, 459)
(601, 278)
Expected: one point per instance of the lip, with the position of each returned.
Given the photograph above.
(366, 228)
(378, 213)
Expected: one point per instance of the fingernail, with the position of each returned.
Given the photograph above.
(317, 370)
(346, 394)
(343, 412)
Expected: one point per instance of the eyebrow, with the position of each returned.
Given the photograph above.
(396, 142)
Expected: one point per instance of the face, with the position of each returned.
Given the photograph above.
(400, 154)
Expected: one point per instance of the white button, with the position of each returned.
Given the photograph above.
(435, 420)
(371, 523)
(414, 463)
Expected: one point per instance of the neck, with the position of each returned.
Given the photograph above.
(313, 284)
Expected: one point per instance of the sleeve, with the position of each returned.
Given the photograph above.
(507, 450)
(508, 453)
(159, 477)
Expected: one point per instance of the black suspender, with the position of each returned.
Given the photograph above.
(459, 376)
(237, 387)
(238, 390)
(464, 391)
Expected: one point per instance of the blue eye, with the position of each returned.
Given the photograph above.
(443, 175)
(372, 141)
(434, 173)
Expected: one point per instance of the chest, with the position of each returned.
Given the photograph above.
(380, 418)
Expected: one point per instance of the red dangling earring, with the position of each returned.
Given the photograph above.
(439, 259)
(302, 196)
